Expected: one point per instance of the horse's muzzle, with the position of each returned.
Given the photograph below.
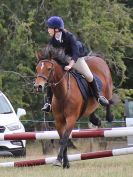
(38, 88)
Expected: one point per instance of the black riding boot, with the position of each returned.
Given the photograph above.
(101, 99)
(47, 105)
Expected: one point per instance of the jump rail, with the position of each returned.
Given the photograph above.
(86, 133)
(75, 157)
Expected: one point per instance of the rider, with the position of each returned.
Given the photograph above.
(60, 38)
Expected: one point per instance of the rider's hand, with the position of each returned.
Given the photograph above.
(68, 67)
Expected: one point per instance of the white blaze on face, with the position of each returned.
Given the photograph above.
(42, 65)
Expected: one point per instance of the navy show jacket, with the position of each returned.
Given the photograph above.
(72, 47)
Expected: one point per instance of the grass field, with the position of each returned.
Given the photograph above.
(106, 167)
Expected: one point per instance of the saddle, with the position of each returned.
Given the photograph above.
(84, 85)
(81, 81)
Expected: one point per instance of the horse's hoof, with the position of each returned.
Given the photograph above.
(57, 163)
(66, 165)
(110, 118)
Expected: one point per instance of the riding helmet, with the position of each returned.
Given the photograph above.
(55, 22)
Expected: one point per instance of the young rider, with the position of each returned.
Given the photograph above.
(60, 38)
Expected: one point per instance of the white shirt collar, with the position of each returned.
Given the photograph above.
(58, 36)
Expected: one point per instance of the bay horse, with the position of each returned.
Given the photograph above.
(67, 102)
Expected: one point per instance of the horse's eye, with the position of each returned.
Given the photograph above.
(49, 69)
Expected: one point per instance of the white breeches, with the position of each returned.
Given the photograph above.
(82, 67)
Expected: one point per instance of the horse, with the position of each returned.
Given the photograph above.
(68, 104)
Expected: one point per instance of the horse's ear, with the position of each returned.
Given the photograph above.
(38, 55)
(50, 55)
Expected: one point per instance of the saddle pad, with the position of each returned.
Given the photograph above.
(84, 85)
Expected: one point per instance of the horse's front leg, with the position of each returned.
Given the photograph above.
(65, 159)
(62, 155)
(70, 122)
(64, 127)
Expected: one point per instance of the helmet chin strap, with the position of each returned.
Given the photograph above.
(55, 31)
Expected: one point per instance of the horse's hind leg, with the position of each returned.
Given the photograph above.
(109, 115)
(95, 120)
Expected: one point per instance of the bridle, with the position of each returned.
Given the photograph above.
(54, 84)
(51, 72)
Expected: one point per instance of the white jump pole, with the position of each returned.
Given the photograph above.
(115, 132)
(75, 157)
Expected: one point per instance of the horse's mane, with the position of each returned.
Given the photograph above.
(49, 52)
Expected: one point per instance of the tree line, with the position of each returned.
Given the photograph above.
(105, 26)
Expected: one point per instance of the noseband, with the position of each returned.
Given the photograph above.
(51, 72)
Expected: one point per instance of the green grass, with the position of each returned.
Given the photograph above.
(106, 167)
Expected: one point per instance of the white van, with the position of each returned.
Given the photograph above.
(10, 123)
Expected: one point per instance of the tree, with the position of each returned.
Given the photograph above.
(104, 26)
